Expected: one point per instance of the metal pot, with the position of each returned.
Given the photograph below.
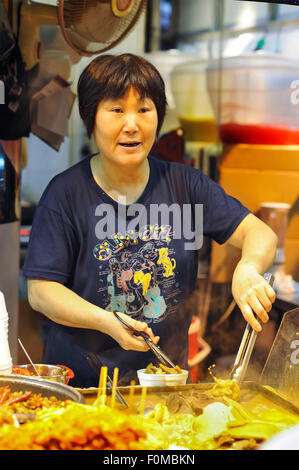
(47, 388)
(56, 373)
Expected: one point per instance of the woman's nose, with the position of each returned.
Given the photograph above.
(130, 124)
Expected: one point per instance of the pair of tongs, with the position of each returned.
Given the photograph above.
(160, 355)
(97, 365)
(245, 350)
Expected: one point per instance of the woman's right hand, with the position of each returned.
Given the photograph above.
(124, 336)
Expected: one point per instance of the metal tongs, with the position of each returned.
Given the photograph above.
(160, 355)
(245, 350)
(97, 365)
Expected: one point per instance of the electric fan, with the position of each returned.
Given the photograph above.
(89, 27)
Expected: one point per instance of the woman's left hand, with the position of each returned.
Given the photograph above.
(253, 294)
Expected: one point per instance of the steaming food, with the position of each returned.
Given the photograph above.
(225, 387)
(221, 426)
(151, 369)
(190, 419)
(83, 427)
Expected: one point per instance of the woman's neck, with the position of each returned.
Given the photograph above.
(128, 183)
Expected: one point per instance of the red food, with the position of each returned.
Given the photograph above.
(18, 370)
(233, 133)
(4, 394)
(19, 398)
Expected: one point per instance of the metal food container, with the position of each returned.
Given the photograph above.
(47, 388)
(56, 373)
(252, 395)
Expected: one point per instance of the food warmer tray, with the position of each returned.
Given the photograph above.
(250, 391)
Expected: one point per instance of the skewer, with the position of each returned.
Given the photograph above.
(28, 357)
(103, 374)
(104, 385)
(114, 385)
(131, 394)
(96, 364)
(142, 401)
(100, 386)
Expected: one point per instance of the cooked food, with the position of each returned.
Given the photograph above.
(46, 371)
(81, 427)
(151, 369)
(221, 426)
(189, 403)
(22, 371)
(190, 419)
(225, 387)
(20, 401)
(6, 416)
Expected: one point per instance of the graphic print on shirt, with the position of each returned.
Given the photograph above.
(137, 273)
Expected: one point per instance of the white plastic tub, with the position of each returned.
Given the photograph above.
(161, 380)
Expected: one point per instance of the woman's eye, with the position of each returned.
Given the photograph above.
(144, 110)
(117, 110)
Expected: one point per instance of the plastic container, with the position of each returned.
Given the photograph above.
(192, 101)
(5, 356)
(253, 96)
(165, 62)
(161, 380)
(3, 312)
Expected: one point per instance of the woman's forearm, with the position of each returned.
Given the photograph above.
(259, 248)
(257, 241)
(250, 290)
(63, 306)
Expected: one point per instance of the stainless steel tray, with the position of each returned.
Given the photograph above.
(249, 391)
(47, 388)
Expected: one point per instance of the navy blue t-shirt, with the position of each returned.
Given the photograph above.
(140, 259)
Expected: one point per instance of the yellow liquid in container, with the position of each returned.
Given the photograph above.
(199, 130)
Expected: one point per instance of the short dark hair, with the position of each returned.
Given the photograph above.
(110, 76)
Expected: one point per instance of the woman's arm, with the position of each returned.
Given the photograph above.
(251, 291)
(63, 306)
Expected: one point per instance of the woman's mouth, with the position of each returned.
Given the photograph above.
(129, 144)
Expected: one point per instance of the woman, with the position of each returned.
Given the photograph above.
(112, 233)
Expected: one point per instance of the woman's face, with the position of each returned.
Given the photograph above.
(125, 128)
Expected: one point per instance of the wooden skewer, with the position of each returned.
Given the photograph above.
(142, 401)
(114, 385)
(131, 394)
(103, 378)
(104, 385)
(100, 384)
